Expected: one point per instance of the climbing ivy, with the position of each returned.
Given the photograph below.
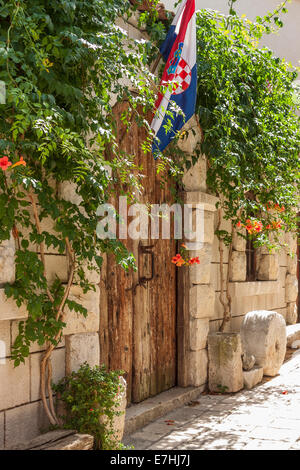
(61, 63)
(247, 110)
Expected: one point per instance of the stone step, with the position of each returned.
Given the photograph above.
(58, 440)
(141, 414)
(293, 336)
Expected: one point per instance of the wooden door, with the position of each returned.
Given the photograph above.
(138, 309)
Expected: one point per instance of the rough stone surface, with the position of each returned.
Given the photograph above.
(25, 423)
(67, 191)
(291, 288)
(201, 273)
(58, 367)
(141, 414)
(199, 328)
(262, 418)
(296, 344)
(264, 335)
(292, 313)
(292, 264)
(34, 347)
(56, 266)
(248, 361)
(76, 323)
(202, 301)
(292, 334)
(253, 377)
(14, 384)
(194, 179)
(4, 340)
(267, 267)
(7, 261)
(237, 272)
(9, 309)
(82, 348)
(238, 242)
(58, 440)
(192, 137)
(197, 373)
(76, 442)
(225, 362)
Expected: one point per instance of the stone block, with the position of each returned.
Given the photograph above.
(264, 336)
(77, 323)
(292, 262)
(194, 179)
(291, 288)
(238, 266)
(192, 136)
(1, 430)
(67, 191)
(267, 267)
(248, 361)
(291, 313)
(238, 242)
(4, 340)
(24, 423)
(7, 261)
(216, 252)
(253, 377)
(9, 309)
(82, 348)
(215, 275)
(14, 384)
(199, 328)
(199, 226)
(201, 273)
(58, 367)
(292, 334)
(225, 362)
(197, 371)
(35, 347)
(47, 225)
(57, 266)
(201, 301)
(292, 241)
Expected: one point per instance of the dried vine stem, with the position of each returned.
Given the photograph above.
(46, 366)
(221, 251)
(227, 309)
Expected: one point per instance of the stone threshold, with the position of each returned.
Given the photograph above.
(140, 414)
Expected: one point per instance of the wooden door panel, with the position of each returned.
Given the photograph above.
(138, 325)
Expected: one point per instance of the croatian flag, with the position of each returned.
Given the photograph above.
(179, 51)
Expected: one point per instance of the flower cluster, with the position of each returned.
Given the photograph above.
(5, 163)
(181, 259)
(252, 226)
(275, 207)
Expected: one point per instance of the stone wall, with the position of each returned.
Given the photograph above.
(21, 413)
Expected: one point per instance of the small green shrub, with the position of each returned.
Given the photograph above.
(88, 395)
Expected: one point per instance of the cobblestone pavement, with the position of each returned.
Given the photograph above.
(266, 417)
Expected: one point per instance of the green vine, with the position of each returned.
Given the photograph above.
(62, 61)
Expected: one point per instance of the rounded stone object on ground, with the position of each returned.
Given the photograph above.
(263, 335)
(248, 361)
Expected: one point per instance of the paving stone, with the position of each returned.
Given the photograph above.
(264, 419)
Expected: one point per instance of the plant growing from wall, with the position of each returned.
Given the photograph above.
(61, 62)
(246, 105)
(251, 130)
(90, 397)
